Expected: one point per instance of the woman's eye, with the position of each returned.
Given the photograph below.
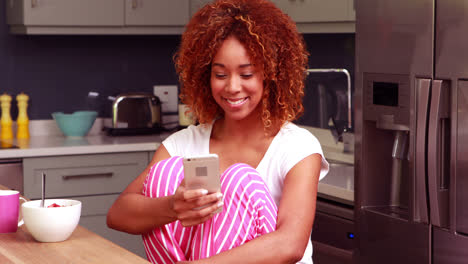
(247, 75)
(220, 75)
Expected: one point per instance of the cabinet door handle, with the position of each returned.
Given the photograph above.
(33, 3)
(96, 175)
(134, 4)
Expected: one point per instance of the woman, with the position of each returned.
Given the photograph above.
(241, 65)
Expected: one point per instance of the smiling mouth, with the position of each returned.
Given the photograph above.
(236, 101)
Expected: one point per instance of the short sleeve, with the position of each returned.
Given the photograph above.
(193, 140)
(171, 143)
(300, 143)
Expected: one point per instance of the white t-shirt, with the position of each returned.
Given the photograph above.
(291, 145)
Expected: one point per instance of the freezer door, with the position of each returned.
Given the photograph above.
(395, 36)
(462, 160)
(451, 39)
(451, 60)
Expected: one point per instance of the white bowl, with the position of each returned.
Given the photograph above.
(52, 224)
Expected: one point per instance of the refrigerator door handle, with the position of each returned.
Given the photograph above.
(423, 87)
(437, 157)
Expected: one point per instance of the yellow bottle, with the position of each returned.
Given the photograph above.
(5, 121)
(22, 122)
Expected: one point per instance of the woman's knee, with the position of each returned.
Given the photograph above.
(164, 177)
(242, 178)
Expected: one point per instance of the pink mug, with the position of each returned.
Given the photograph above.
(9, 211)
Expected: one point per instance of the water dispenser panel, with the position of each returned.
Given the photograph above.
(387, 95)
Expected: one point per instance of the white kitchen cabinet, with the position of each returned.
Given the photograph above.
(65, 12)
(117, 17)
(156, 13)
(150, 155)
(93, 215)
(197, 4)
(95, 179)
(306, 11)
(319, 16)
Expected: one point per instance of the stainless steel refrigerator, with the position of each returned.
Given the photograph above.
(411, 133)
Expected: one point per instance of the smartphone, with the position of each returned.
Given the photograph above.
(202, 172)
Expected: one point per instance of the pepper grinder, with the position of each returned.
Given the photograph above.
(5, 121)
(22, 121)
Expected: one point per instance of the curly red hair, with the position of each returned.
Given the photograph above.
(272, 42)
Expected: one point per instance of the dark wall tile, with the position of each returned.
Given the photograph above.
(328, 51)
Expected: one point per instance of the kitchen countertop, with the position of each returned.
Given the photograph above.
(83, 246)
(57, 145)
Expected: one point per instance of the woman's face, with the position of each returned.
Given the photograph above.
(236, 84)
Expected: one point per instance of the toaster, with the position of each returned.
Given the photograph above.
(135, 113)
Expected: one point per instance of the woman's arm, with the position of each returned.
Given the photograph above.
(295, 219)
(134, 213)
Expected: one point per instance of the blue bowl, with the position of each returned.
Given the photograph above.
(76, 124)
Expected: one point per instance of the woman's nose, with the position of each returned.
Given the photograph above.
(233, 85)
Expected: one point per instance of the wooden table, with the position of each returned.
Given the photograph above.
(83, 246)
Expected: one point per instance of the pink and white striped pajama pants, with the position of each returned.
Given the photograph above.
(248, 211)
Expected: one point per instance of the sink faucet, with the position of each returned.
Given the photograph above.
(346, 139)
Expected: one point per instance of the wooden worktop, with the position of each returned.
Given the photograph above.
(83, 246)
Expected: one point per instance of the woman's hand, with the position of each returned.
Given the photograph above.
(193, 207)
